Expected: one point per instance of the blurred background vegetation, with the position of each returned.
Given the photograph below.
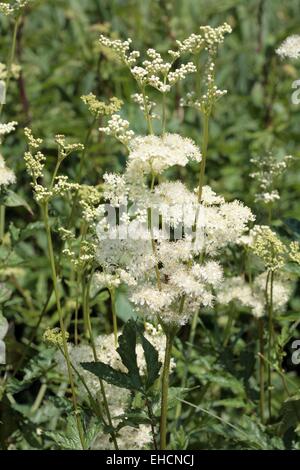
(61, 60)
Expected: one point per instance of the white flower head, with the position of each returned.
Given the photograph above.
(152, 154)
(7, 176)
(115, 190)
(290, 47)
(7, 128)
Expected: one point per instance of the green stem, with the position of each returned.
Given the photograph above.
(11, 57)
(260, 322)
(8, 77)
(165, 389)
(114, 314)
(147, 112)
(152, 181)
(152, 422)
(91, 336)
(154, 248)
(205, 136)
(61, 321)
(2, 222)
(270, 343)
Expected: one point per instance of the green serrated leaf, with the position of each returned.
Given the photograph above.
(12, 199)
(36, 368)
(152, 363)
(5, 293)
(68, 440)
(127, 352)
(294, 226)
(133, 418)
(293, 268)
(290, 413)
(230, 403)
(110, 375)
(123, 307)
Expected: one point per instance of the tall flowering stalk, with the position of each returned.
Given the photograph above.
(35, 160)
(170, 268)
(144, 244)
(13, 12)
(60, 186)
(270, 248)
(157, 237)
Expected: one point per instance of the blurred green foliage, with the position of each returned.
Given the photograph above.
(61, 59)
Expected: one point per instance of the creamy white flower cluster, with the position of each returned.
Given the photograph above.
(115, 189)
(236, 289)
(118, 398)
(119, 128)
(159, 278)
(10, 8)
(290, 47)
(7, 176)
(268, 170)
(153, 71)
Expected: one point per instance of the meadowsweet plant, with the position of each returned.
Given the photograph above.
(148, 299)
(7, 176)
(13, 11)
(169, 278)
(269, 292)
(268, 170)
(290, 47)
